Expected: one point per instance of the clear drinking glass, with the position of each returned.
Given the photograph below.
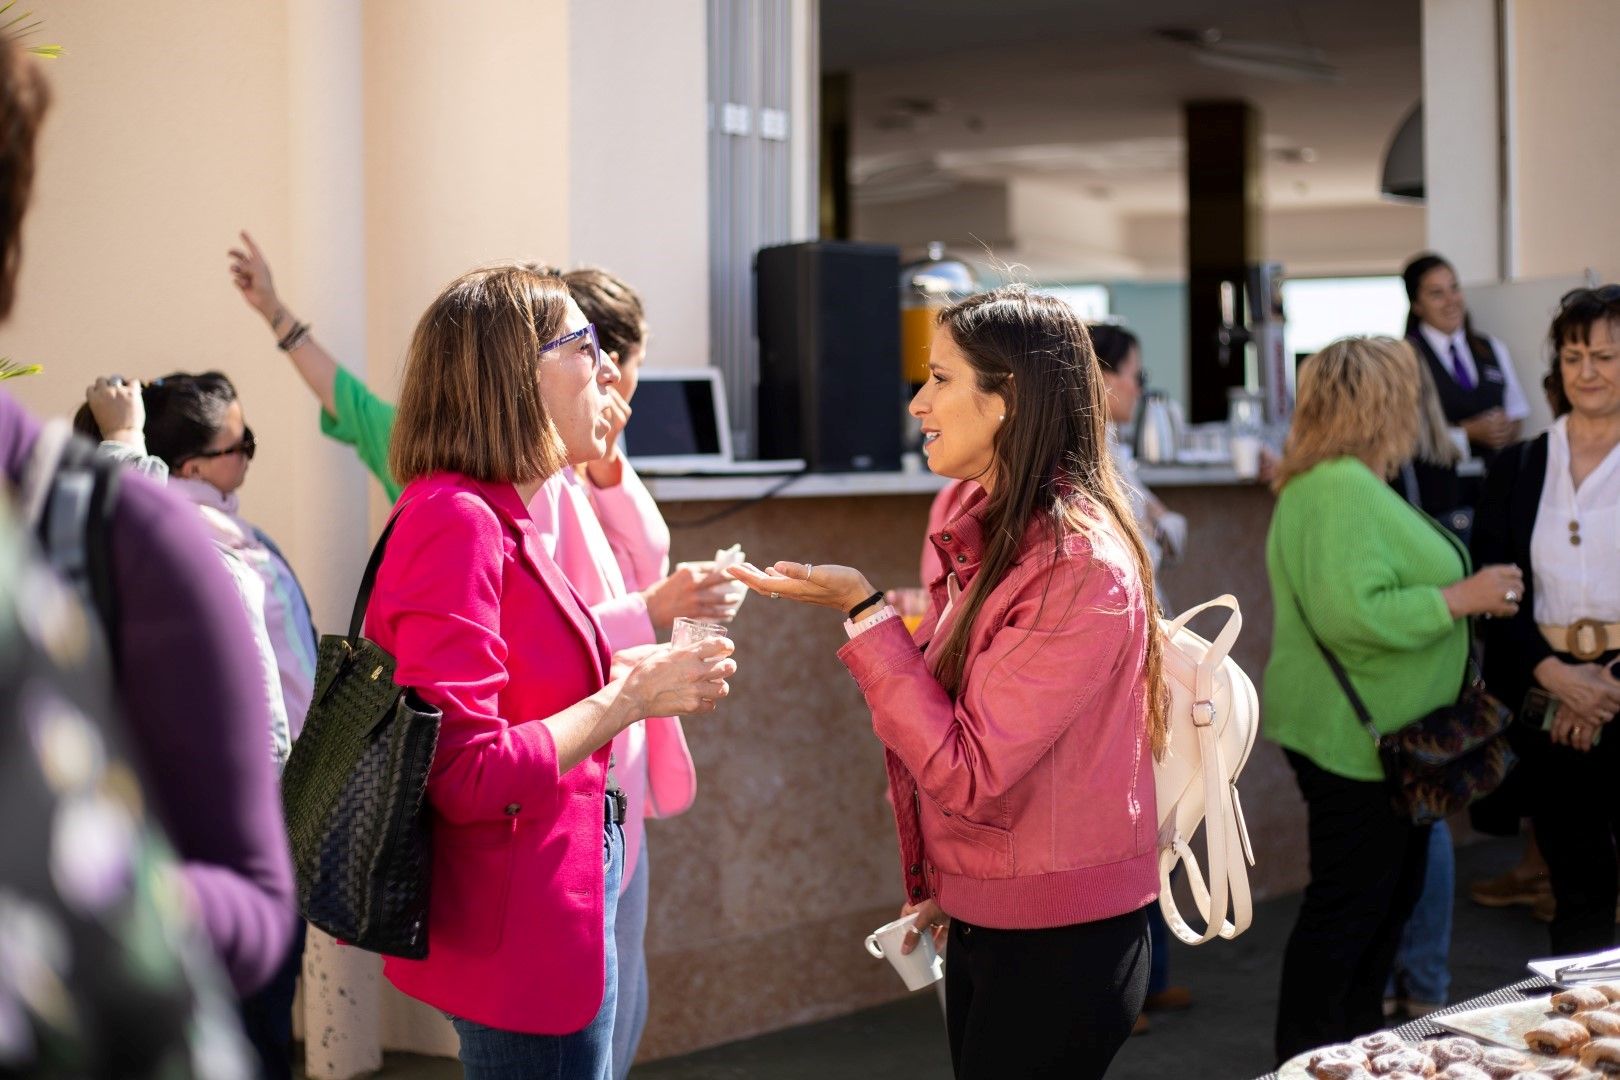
(691, 631)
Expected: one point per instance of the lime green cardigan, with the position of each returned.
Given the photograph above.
(1368, 570)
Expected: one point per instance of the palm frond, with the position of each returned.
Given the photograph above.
(17, 33)
(11, 370)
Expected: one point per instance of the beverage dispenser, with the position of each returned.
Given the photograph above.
(926, 285)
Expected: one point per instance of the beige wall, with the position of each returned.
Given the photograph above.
(1462, 135)
(1563, 144)
(637, 158)
(376, 150)
(466, 143)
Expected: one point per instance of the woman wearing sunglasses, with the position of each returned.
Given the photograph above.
(194, 425)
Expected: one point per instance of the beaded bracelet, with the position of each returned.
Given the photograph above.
(294, 338)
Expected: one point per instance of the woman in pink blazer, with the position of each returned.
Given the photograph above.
(501, 392)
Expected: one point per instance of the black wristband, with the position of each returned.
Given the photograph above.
(854, 612)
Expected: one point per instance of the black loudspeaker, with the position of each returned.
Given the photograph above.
(829, 355)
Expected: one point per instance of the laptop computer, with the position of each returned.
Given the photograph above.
(678, 426)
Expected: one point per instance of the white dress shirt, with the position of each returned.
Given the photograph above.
(1572, 581)
(1514, 403)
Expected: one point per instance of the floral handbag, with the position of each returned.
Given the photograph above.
(1442, 762)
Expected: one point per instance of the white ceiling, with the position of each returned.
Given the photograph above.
(1082, 94)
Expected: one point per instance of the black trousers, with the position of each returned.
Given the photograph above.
(1576, 813)
(1044, 1003)
(1367, 868)
(267, 1014)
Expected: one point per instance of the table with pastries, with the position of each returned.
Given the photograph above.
(1530, 1030)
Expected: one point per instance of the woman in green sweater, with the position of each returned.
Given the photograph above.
(1389, 592)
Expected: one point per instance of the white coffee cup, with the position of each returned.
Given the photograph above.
(1245, 456)
(919, 968)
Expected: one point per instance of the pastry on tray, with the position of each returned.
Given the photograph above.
(1462, 1070)
(1609, 990)
(1402, 1059)
(1602, 1056)
(1502, 1063)
(1602, 1023)
(1379, 1042)
(1456, 1049)
(1563, 1069)
(1337, 1063)
(1579, 999)
(1560, 1036)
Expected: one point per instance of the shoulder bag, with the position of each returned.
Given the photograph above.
(354, 794)
(1443, 761)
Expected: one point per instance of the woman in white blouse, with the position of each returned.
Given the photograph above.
(1552, 505)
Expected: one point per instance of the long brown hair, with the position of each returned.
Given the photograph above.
(1051, 461)
(470, 398)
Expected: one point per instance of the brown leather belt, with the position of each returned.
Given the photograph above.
(1585, 640)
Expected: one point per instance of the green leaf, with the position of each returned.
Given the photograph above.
(10, 370)
(49, 52)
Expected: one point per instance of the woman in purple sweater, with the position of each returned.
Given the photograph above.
(185, 666)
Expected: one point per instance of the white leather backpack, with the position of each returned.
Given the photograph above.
(1213, 720)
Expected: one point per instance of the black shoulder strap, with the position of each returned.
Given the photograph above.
(1341, 675)
(75, 529)
(368, 580)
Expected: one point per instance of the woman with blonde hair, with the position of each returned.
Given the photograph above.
(1357, 572)
(1020, 720)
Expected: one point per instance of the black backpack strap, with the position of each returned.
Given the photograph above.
(71, 496)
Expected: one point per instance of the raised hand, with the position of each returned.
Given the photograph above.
(251, 274)
(118, 408)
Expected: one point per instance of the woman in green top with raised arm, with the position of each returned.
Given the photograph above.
(1389, 592)
(603, 515)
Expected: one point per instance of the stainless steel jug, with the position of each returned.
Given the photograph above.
(1158, 430)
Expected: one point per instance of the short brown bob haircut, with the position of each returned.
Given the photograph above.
(469, 401)
(1359, 397)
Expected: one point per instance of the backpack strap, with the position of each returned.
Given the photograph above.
(69, 495)
(1226, 834)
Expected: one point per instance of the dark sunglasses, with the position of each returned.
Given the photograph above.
(246, 448)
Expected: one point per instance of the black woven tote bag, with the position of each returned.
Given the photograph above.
(353, 792)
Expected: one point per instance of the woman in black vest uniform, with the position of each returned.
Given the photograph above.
(1552, 506)
(1478, 390)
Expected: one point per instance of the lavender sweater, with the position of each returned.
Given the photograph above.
(186, 679)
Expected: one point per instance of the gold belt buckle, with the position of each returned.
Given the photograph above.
(1578, 631)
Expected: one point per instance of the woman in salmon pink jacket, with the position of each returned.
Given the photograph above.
(1021, 723)
(502, 389)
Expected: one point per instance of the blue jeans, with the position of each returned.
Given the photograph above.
(1423, 964)
(630, 934)
(492, 1054)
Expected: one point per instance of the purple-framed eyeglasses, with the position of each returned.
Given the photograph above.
(582, 341)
